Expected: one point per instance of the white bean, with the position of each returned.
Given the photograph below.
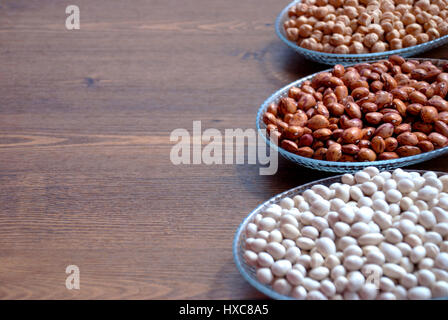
(393, 235)
(419, 293)
(441, 261)
(294, 277)
(370, 239)
(281, 267)
(292, 254)
(299, 293)
(440, 289)
(264, 259)
(369, 291)
(353, 263)
(264, 275)
(417, 254)
(393, 270)
(276, 250)
(282, 286)
(391, 252)
(287, 203)
(319, 273)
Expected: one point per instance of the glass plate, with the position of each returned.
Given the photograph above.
(332, 59)
(247, 271)
(333, 166)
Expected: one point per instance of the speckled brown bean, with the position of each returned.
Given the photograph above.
(399, 94)
(369, 107)
(443, 116)
(407, 67)
(407, 151)
(341, 92)
(390, 144)
(336, 109)
(318, 122)
(393, 118)
(306, 152)
(329, 99)
(407, 139)
(338, 70)
(289, 145)
(293, 132)
(337, 133)
(298, 119)
(420, 135)
(438, 140)
(389, 82)
(388, 156)
(346, 123)
(352, 135)
(306, 140)
(322, 134)
(350, 149)
(425, 145)
(272, 108)
(360, 93)
(404, 127)
(423, 127)
(378, 144)
(322, 110)
(347, 158)
(287, 105)
(306, 101)
(320, 154)
(294, 93)
(383, 98)
(429, 114)
(376, 86)
(374, 117)
(441, 127)
(414, 109)
(271, 127)
(400, 106)
(334, 152)
(385, 130)
(269, 118)
(367, 133)
(439, 103)
(418, 97)
(353, 110)
(366, 154)
(364, 143)
(398, 60)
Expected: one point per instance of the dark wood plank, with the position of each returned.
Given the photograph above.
(85, 118)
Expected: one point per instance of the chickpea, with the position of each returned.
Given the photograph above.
(387, 26)
(433, 33)
(371, 39)
(326, 39)
(356, 47)
(423, 17)
(398, 25)
(339, 27)
(328, 48)
(292, 34)
(357, 37)
(408, 18)
(351, 12)
(422, 38)
(430, 24)
(344, 19)
(443, 29)
(394, 34)
(434, 10)
(365, 19)
(376, 28)
(328, 27)
(409, 41)
(330, 17)
(396, 44)
(341, 49)
(351, 3)
(423, 4)
(321, 3)
(301, 20)
(305, 30)
(348, 31)
(337, 39)
(318, 35)
(414, 29)
(379, 46)
(321, 12)
(319, 25)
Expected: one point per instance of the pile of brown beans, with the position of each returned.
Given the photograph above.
(363, 26)
(371, 111)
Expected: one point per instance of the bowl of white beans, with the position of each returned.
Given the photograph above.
(370, 235)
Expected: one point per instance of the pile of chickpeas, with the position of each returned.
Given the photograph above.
(363, 26)
(374, 235)
(372, 111)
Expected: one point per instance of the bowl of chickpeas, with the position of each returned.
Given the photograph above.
(350, 31)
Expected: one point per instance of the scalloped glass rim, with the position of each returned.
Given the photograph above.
(333, 166)
(331, 58)
(247, 271)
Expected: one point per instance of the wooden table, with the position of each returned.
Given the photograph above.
(85, 119)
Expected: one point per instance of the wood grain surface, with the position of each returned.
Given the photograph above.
(85, 119)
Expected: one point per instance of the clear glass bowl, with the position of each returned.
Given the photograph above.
(333, 166)
(331, 58)
(248, 272)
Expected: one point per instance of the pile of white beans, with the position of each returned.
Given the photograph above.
(375, 235)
